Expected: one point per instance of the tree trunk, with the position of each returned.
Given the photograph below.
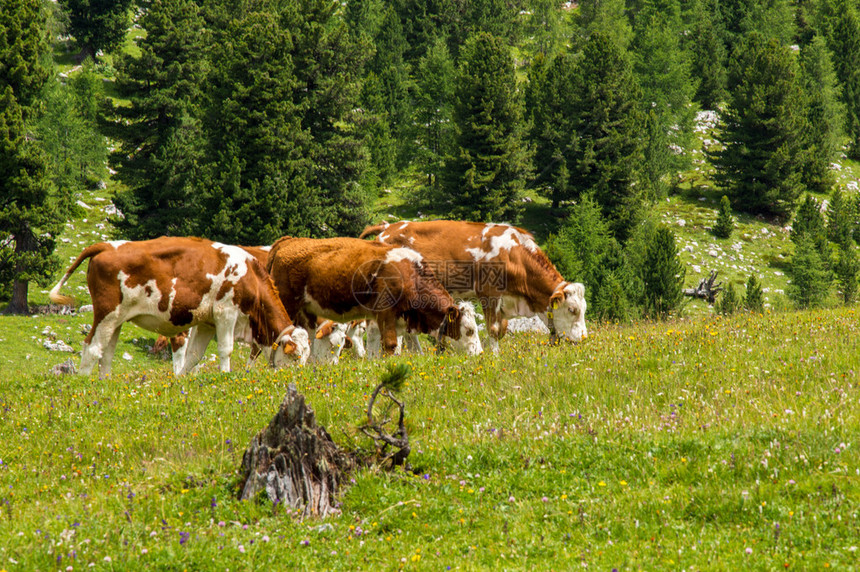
(24, 242)
(295, 461)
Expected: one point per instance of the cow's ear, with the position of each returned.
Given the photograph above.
(556, 299)
(290, 347)
(453, 314)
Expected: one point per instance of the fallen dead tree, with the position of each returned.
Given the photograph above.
(706, 288)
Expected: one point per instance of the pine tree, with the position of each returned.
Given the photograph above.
(552, 134)
(844, 41)
(255, 175)
(585, 250)
(725, 224)
(846, 268)
(434, 101)
(761, 162)
(486, 174)
(662, 274)
(31, 211)
(663, 70)
(327, 61)
(810, 279)
(545, 26)
(754, 299)
(608, 18)
(825, 115)
(809, 223)
(705, 42)
(606, 125)
(730, 302)
(840, 217)
(160, 139)
(99, 24)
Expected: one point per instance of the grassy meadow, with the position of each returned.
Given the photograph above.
(697, 444)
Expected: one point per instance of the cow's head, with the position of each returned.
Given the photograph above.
(468, 342)
(566, 311)
(291, 346)
(330, 339)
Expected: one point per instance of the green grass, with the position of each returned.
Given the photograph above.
(646, 447)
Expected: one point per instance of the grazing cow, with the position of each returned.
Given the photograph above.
(170, 284)
(469, 343)
(332, 338)
(345, 279)
(500, 265)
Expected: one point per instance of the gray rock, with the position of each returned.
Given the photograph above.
(65, 368)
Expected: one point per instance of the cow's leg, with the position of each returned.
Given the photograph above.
(198, 339)
(179, 345)
(224, 332)
(374, 340)
(96, 342)
(387, 323)
(108, 352)
(413, 343)
(356, 334)
(493, 318)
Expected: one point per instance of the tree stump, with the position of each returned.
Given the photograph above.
(295, 461)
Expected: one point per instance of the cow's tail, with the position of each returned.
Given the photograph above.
(88, 252)
(373, 230)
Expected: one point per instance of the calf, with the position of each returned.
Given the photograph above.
(500, 265)
(345, 279)
(170, 284)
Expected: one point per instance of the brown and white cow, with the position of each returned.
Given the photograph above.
(169, 284)
(500, 265)
(345, 279)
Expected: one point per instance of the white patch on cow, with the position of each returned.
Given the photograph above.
(266, 248)
(510, 238)
(398, 254)
(116, 243)
(237, 263)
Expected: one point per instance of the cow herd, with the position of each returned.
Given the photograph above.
(304, 298)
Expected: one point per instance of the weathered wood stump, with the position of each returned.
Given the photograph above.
(295, 461)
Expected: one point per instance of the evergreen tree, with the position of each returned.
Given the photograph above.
(434, 101)
(552, 132)
(68, 132)
(809, 224)
(585, 250)
(662, 274)
(545, 26)
(725, 224)
(327, 61)
(372, 122)
(606, 128)
(662, 67)
(256, 172)
(810, 279)
(761, 162)
(840, 219)
(393, 74)
(31, 211)
(160, 140)
(484, 178)
(825, 115)
(754, 299)
(98, 25)
(705, 42)
(772, 19)
(31, 214)
(844, 43)
(608, 18)
(730, 301)
(846, 268)
(23, 47)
